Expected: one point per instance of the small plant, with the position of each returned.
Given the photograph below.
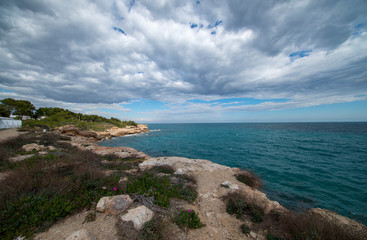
(188, 193)
(245, 229)
(160, 188)
(91, 216)
(188, 219)
(152, 230)
(163, 169)
(269, 236)
(239, 205)
(250, 179)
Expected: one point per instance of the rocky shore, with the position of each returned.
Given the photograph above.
(213, 184)
(88, 140)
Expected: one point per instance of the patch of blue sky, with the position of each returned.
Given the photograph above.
(359, 26)
(213, 33)
(119, 30)
(197, 2)
(3, 90)
(299, 54)
(218, 22)
(193, 25)
(237, 101)
(145, 105)
(140, 72)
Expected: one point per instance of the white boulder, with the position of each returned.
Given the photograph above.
(138, 216)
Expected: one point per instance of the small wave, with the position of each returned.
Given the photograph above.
(155, 130)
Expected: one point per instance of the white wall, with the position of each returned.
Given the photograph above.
(10, 123)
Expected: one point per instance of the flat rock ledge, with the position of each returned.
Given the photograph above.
(183, 165)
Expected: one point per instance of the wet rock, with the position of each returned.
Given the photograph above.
(138, 216)
(81, 234)
(115, 204)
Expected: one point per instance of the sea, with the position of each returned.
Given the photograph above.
(302, 165)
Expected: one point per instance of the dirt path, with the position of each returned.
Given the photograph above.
(9, 133)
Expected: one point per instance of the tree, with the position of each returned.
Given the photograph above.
(9, 104)
(4, 112)
(24, 107)
(19, 107)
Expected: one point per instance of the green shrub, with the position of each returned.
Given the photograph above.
(188, 193)
(245, 229)
(152, 230)
(238, 205)
(269, 236)
(158, 187)
(188, 219)
(163, 169)
(52, 186)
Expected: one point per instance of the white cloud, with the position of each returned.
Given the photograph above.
(70, 54)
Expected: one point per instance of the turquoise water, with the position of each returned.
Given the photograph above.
(303, 165)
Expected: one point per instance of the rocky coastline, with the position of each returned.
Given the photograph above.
(213, 183)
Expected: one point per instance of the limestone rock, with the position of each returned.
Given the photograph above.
(51, 148)
(33, 147)
(115, 204)
(230, 185)
(81, 234)
(187, 165)
(122, 152)
(20, 158)
(253, 235)
(138, 216)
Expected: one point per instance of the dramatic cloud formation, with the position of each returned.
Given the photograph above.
(189, 56)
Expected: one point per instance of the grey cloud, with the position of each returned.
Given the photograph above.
(71, 52)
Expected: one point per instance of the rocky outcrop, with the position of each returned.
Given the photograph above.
(118, 132)
(138, 216)
(72, 130)
(338, 219)
(81, 234)
(115, 204)
(183, 165)
(33, 147)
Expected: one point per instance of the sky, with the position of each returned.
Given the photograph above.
(188, 60)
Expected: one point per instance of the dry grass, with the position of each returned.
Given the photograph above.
(249, 178)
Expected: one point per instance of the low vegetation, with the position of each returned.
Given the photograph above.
(249, 178)
(43, 189)
(305, 226)
(63, 117)
(56, 117)
(242, 206)
(287, 224)
(161, 188)
(188, 219)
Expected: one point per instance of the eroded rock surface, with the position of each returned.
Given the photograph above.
(138, 216)
(81, 234)
(115, 204)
